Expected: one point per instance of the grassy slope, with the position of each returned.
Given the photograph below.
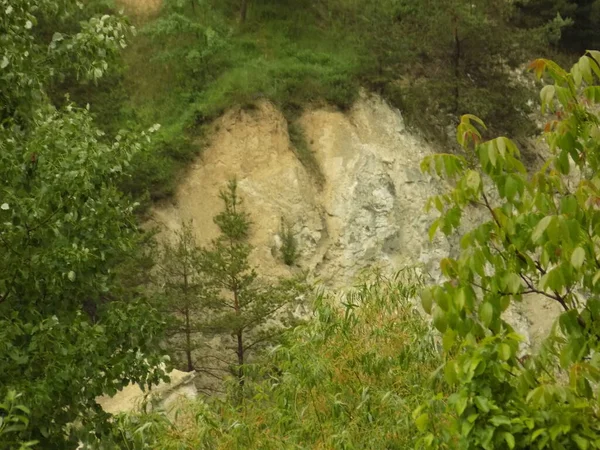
(185, 73)
(350, 378)
(290, 61)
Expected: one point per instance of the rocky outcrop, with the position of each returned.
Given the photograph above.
(163, 396)
(369, 211)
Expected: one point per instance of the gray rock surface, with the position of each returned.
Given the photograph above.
(370, 210)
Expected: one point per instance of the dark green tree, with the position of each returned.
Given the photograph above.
(583, 16)
(70, 328)
(453, 55)
(185, 295)
(252, 311)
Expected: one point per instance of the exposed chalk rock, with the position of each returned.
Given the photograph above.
(370, 210)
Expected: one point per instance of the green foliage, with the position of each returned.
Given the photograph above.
(196, 60)
(254, 313)
(347, 378)
(289, 245)
(582, 20)
(70, 330)
(14, 418)
(185, 293)
(542, 238)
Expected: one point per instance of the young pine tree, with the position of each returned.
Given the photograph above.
(185, 294)
(249, 311)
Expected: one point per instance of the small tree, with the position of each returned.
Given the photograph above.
(247, 309)
(289, 244)
(542, 236)
(185, 294)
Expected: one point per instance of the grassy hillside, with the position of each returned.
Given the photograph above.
(194, 59)
(349, 378)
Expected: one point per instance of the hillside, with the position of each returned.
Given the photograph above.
(327, 223)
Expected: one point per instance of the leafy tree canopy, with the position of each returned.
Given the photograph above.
(69, 330)
(541, 237)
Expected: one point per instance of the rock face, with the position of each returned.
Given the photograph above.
(370, 210)
(374, 196)
(165, 396)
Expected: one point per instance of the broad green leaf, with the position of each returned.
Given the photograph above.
(486, 313)
(541, 228)
(509, 439)
(500, 420)
(513, 283)
(449, 339)
(468, 117)
(578, 257)
(433, 228)
(461, 404)
(585, 68)
(492, 155)
(473, 180)
(582, 443)
(450, 373)
(504, 352)
(460, 299)
(511, 187)
(595, 63)
(563, 95)
(547, 95)
(426, 300)
(538, 433)
(422, 422)
(439, 319)
(482, 404)
(501, 145)
(576, 74)
(592, 93)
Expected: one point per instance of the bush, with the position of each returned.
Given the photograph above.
(289, 245)
(349, 378)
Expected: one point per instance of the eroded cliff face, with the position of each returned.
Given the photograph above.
(370, 210)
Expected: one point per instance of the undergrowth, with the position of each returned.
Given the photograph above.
(349, 378)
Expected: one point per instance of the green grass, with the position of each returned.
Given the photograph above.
(350, 377)
(292, 62)
(188, 66)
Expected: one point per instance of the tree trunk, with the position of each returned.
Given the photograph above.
(188, 330)
(243, 11)
(240, 341)
(240, 354)
(188, 341)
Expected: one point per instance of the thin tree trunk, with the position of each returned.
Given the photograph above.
(188, 341)
(240, 353)
(243, 11)
(240, 341)
(188, 331)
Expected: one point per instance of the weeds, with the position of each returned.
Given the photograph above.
(289, 244)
